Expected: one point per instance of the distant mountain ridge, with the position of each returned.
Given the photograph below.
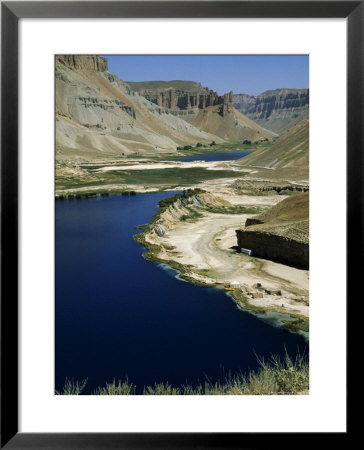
(277, 110)
(202, 107)
(177, 94)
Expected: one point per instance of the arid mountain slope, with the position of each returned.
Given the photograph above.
(289, 155)
(230, 126)
(277, 110)
(291, 212)
(98, 116)
(202, 108)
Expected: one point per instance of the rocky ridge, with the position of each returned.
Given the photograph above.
(202, 108)
(181, 95)
(277, 110)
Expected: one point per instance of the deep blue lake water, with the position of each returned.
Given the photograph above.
(223, 156)
(118, 315)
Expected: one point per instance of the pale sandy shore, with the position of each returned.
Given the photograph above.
(108, 188)
(206, 247)
(209, 165)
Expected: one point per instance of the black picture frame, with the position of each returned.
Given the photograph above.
(11, 12)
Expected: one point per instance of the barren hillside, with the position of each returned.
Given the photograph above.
(288, 157)
(99, 116)
(231, 126)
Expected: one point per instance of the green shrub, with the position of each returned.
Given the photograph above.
(193, 215)
(164, 203)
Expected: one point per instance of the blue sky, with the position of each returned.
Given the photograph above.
(248, 74)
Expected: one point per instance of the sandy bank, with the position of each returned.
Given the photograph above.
(204, 251)
(209, 165)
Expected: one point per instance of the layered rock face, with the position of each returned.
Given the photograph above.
(98, 115)
(181, 95)
(280, 234)
(202, 108)
(83, 62)
(227, 104)
(277, 110)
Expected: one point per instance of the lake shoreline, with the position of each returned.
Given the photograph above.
(166, 253)
(299, 323)
(142, 177)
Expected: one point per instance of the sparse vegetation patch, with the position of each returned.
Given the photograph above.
(289, 376)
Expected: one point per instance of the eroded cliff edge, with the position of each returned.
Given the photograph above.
(281, 234)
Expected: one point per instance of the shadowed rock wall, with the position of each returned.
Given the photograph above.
(274, 247)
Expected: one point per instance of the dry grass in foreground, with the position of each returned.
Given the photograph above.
(274, 377)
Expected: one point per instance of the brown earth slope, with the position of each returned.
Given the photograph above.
(281, 233)
(287, 158)
(230, 126)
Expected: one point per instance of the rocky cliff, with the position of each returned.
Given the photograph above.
(281, 233)
(202, 108)
(277, 110)
(180, 95)
(83, 62)
(274, 247)
(98, 115)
